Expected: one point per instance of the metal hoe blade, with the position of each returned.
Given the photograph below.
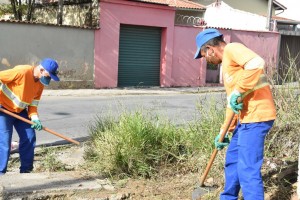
(200, 191)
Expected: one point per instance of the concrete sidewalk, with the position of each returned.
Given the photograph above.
(59, 185)
(74, 184)
(131, 91)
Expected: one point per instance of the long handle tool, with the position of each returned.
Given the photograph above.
(213, 156)
(202, 189)
(44, 128)
(199, 191)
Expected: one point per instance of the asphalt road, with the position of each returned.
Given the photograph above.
(72, 115)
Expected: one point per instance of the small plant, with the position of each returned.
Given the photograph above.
(48, 160)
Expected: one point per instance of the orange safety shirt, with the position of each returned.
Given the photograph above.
(19, 90)
(258, 104)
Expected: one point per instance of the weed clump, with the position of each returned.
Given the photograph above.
(144, 144)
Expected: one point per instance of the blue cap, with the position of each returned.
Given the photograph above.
(51, 66)
(204, 37)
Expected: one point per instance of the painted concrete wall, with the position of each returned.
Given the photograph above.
(259, 7)
(265, 44)
(116, 12)
(186, 71)
(178, 68)
(233, 18)
(71, 47)
(76, 53)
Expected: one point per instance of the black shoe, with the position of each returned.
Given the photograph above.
(26, 171)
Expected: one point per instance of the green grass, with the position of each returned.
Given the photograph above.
(143, 144)
(137, 144)
(48, 160)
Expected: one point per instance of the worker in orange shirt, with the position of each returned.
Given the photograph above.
(20, 92)
(243, 75)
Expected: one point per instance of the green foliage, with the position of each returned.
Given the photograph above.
(282, 140)
(135, 145)
(142, 144)
(139, 144)
(207, 124)
(5, 9)
(49, 162)
(288, 71)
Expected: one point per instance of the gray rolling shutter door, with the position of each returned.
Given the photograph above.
(139, 56)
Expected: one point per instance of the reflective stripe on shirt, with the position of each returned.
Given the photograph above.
(13, 97)
(262, 82)
(35, 103)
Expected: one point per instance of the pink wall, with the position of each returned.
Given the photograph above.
(178, 68)
(265, 44)
(189, 72)
(116, 12)
(186, 71)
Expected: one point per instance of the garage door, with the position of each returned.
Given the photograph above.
(139, 56)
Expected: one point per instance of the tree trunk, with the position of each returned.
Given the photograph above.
(13, 4)
(30, 10)
(89, 16)
(60, 12)
(20, 10)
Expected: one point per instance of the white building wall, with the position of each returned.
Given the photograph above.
(223, 16)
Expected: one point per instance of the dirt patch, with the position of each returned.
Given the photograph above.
(164, 187)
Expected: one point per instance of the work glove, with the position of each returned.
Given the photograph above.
(221, 145)
(234, 105)
(37, 123)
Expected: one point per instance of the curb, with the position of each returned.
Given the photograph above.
(131, 91)
(57, 185)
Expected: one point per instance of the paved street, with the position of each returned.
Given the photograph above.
(71, 115)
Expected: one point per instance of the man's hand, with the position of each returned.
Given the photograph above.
(37, 123)
(221, 145)
(233, 101)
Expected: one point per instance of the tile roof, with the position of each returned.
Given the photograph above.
(186, 4)
(280, 18)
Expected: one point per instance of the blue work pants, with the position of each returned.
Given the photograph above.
(244, 159)
(26, 143)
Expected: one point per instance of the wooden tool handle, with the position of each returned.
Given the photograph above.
(44, 128)
(213, 156)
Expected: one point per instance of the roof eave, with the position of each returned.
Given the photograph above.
(289, 22)
(189, 9)
(282, 7)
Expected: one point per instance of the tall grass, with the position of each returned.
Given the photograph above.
(140, 144)
(282, 140)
